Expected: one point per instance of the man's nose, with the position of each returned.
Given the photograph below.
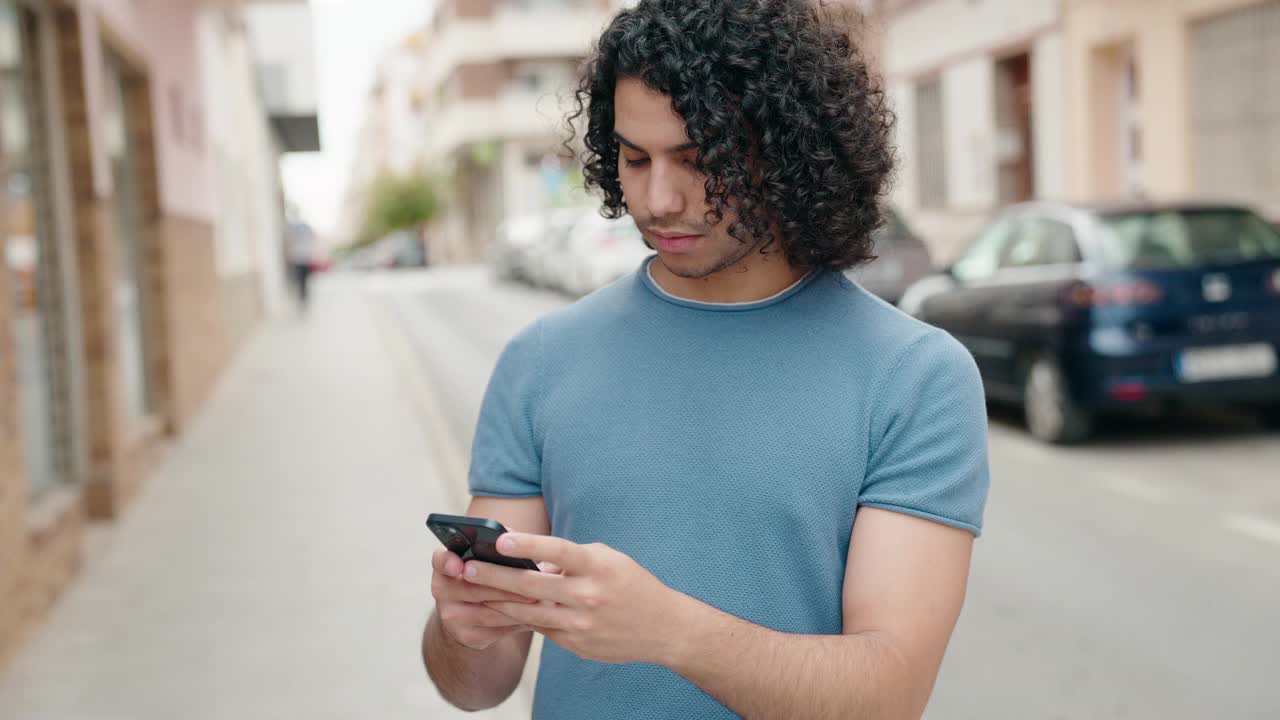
(666, 196)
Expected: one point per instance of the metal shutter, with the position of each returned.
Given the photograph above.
(931, 148)
(1236, 106)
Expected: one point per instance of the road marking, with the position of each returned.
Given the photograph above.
(451, 466)
(1135, 488)
(1254, 526)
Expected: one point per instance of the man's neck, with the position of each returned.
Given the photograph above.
(753, 278)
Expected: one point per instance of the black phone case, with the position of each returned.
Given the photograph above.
(474, 539)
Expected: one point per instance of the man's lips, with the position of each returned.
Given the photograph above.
(675, 242)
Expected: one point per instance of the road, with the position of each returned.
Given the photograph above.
(1135, 577)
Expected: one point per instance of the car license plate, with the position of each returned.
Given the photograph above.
(1235, 362)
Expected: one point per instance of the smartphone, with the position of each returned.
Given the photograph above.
(474, 539)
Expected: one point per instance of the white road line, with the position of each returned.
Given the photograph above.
(1253, 526)
(1135, 488)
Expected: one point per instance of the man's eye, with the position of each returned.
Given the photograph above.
(636, 163)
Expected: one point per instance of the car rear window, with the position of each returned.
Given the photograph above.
(1170, 239)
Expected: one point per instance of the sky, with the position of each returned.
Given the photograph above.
(351, 37)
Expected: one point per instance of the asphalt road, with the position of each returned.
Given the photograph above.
(1135, 577)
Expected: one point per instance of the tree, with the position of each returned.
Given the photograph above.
(399, 202)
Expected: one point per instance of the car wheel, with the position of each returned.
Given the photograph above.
(1052, 416)
(1270, 415)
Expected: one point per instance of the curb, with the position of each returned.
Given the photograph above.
(450, 464)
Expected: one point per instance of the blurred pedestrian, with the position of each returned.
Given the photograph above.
(753, 486)
(300, 251)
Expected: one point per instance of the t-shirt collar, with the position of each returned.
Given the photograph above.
(646, 277)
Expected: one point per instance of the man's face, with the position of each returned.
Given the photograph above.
(665, 193)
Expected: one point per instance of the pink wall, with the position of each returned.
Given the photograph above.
(158, 37)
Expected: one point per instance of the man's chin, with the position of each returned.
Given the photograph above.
(689, 268)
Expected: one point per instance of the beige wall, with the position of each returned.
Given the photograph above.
(1096, 34)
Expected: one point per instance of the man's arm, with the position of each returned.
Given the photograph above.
(478, 679)
(904, 587)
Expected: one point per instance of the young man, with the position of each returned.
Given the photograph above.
(754, 486)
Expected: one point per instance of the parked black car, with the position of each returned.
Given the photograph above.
(1076, 310)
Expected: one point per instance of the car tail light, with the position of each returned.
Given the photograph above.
(1128, 391)
(1134, 292)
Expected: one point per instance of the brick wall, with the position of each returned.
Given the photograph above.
(195, 320)
(48, 558)
(198, 347)
(40, 543)
(92, 250)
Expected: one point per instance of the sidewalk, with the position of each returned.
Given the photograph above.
(276, 564)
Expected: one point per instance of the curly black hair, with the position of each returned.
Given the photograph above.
(792, 127)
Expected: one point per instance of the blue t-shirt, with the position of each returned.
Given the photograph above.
(726, 449)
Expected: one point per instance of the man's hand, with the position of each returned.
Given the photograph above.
(460, 605)
(603, 607)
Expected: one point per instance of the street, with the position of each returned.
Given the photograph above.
(1134, 577)
(276, 565)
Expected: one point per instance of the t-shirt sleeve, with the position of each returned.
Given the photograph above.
(929, 437)
(506, 457)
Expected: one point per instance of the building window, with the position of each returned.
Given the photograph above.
(29, 253)
(128, 231)
(931, 149)
(1015, 148)
(542, 76)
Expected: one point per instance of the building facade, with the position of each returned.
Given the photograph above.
(979, 92)
(118, 309)
(393, 133)
(1000, 101)
(478, 96)
(1176, 98)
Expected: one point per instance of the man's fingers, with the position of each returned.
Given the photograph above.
(463, 592)
(447, 563)
(542, 615)
(466, 615)
(447, 589)
(525, 583)
(481, 637)
(573, 558)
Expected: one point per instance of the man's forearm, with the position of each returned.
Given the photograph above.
(761, 673)
(473, 679)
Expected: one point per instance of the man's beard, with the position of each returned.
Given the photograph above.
(723, 263)
(649, 226)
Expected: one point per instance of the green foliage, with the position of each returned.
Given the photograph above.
(399, 202)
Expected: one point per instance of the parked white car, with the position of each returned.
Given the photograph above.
(515, 241)
(545, 259)
(600, 251)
